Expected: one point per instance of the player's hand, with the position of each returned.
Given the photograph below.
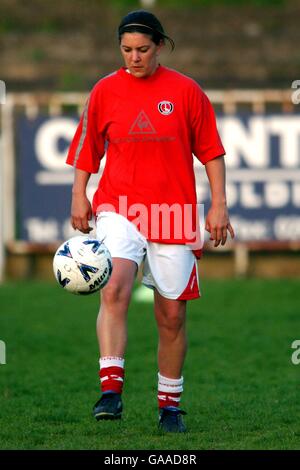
(217, 224)
(81, 213)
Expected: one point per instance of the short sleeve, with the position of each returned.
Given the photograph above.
(88, 144)
(206, 142)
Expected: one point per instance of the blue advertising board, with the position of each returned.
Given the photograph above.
(44, 180)
(263, 176)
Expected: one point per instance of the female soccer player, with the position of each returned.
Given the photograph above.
(150, 120)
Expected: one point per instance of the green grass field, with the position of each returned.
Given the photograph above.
(241, 388)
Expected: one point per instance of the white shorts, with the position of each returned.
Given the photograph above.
(169, 268)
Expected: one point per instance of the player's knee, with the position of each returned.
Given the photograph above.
(115, 293)
(172, 320)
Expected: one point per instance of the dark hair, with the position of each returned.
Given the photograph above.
(142, 21)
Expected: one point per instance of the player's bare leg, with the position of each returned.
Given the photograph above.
(170, 317)
(112, 337)
(112, 318)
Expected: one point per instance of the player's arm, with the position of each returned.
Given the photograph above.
(208, 148)
(81, 210)
(217, 220)
(85, 153)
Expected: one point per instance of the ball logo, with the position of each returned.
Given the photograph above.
(165, 107)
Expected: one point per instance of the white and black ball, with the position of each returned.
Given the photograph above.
(82, 265)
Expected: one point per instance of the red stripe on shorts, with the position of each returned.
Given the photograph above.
(192, 289)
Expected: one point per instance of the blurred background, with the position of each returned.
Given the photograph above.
(241, 374)
(242, 53)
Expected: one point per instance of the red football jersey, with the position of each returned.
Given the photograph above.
(150, 128)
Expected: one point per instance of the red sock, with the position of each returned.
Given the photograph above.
(111, 374)
(169, 391)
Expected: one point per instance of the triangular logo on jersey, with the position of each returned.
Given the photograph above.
(142, 125)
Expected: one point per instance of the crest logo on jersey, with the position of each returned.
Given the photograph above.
(165, 107)
(142, 125)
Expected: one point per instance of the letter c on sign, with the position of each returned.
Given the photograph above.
(46, 142)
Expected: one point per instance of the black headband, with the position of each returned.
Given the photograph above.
(145, 22)
(138, 24)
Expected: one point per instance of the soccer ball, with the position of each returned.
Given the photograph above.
(82, 265)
